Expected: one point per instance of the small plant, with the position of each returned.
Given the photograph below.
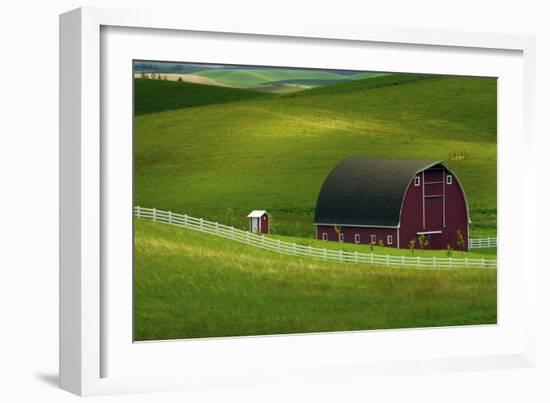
(449, 252)
(180, 79)
(412, 245)
(230, 215)
(457, 155)
(460, 241)
(422, 241)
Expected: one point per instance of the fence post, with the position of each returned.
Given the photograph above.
(200, 223)
(341, 257)
(154, 214)
(434, 264)
(217, 226)
(356, 257)
(482, 262)
(387, 260)
(450, 261)
(371, 258)
(418, 261)
(185, 220)
(309, 251)
(169, 217)
(279, 245)
(325, 250)
(294, 247)
(138, 212)
(466, 262)
(402, 260)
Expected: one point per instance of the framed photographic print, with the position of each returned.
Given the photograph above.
(290, 200)
(241, 205)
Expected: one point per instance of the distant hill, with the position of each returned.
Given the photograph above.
(160, 95)
(254, 78)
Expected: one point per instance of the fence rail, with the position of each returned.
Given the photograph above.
(477, 243)
(287, 248)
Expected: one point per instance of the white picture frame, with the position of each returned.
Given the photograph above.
(96, 355)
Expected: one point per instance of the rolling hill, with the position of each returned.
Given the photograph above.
(248, 78)
(189, 285)
(221, 154)
(160, 95)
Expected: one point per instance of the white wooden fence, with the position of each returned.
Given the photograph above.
(287, 248)
(477, 243)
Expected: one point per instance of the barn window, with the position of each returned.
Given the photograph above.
(340, 237)
(417, 181)
(373, 238)
(389, 240)
(325, 236)
(449, 179)
(357, 238)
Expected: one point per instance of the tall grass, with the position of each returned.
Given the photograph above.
(192, 285)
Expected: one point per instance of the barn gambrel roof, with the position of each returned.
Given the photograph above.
(368, 191)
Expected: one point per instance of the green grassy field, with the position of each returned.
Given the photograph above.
(220, 160)
(161, 95)
(191, 285)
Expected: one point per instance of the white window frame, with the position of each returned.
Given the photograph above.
(417, 181)
(449, 180)
(372, 238)
(341, 237)
(357, 238)
(324, 236)
(389, 240)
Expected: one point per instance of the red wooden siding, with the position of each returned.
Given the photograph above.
(364, 234)
(264, 224)
(434, 212)
(434, 206)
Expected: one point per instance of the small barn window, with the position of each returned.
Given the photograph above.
(340, 237)
(325, 236)
(357, 238)
(389, 240)
(373, 238)
(417, 181)
(449, 179)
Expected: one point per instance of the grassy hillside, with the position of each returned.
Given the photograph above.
(160, 95)
(219, 161)
(366, 83)
(189, 285)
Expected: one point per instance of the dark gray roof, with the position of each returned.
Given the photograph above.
(367, 191)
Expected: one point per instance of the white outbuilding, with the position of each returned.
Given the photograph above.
(259, 221)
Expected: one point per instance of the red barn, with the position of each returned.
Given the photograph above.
(368, 200)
